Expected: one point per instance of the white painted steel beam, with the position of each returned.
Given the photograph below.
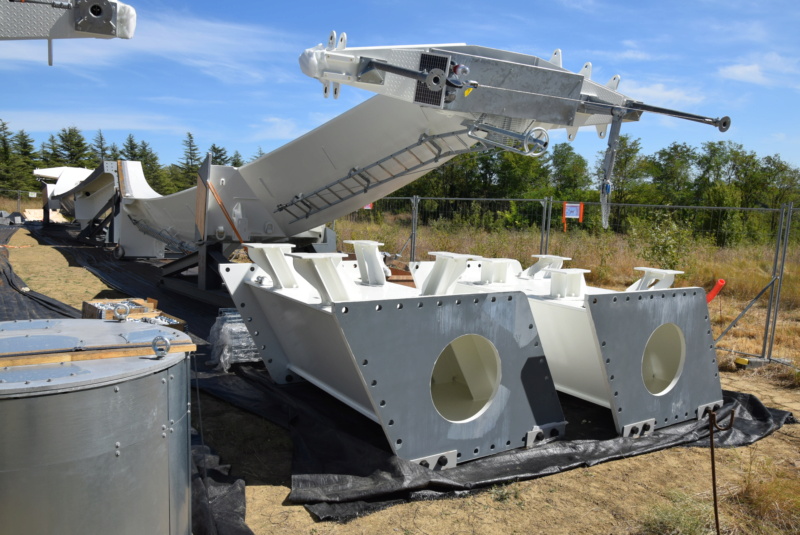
(449, 379)
(647, 355)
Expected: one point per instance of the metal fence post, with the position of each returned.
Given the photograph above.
(771, 300)
(549, 224)
(19, 201)
(788, 219)
(543, 202)
(414, 217)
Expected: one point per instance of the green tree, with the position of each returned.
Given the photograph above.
(156, 175)
(569, 172)
(715, 167)
(259, 153)
(783, 180)
(49, 153)
(113, 153)
(5, 156)
(72, 148)
(673, 170)
(519, 176)
(236, 159)
(23, 162)
(189, 164)
(219, 156)
(5, 142)
(99, 147)
(130, 149)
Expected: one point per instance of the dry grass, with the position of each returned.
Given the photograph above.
(611, 258)
(10, 205)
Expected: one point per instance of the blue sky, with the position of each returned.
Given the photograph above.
(227, 71)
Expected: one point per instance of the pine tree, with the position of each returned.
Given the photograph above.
(24, 147)
(190, 163)
(236, 159)
(130, 149)
(219, 156)
(113, 152)
(5, 156)
(48, 153)
(258, 154)
(23, 162)
(5, 142)
(99, 147)
(72, 148)
(156, 176)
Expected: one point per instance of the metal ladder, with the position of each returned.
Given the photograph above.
(359, 181)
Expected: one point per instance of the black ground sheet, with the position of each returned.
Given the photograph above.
(342, 466)
(17, 301)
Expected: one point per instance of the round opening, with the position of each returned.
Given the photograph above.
(465, 378)
(663, 358)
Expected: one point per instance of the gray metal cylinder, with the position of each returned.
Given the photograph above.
(95, 446)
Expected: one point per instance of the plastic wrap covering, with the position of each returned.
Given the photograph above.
(230, 341)
(126, 21)
(163, 235)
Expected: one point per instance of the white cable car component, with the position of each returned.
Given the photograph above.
(646, 354)
(66, 19)
(471, 381)
(654, 279)
(433, 102)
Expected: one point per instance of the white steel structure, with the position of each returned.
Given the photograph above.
(455, 370)
(434, 102)
(66, 19)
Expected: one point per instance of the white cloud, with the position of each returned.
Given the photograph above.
(275, 128)
(752, 31)
(231, 52)
(769, 69)
(659, 95)
(46, 121)
(744, 73)
(633, 51)
(580, 5)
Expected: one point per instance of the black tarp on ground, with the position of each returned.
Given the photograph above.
(342, 466)
(17, 302)
(218, 499)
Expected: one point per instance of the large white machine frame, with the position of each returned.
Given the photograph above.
(467, 364)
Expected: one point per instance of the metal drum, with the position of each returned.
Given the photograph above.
(94, 420)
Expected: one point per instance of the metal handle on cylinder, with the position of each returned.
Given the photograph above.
(160, 346)
(121, 311)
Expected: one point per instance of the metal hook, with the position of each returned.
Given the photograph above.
(121, 311)
(160, 346)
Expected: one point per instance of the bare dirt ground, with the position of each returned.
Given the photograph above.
(615, 497)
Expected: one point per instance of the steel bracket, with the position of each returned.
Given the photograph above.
(439, 461)
(639, 429)
(702, 409)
